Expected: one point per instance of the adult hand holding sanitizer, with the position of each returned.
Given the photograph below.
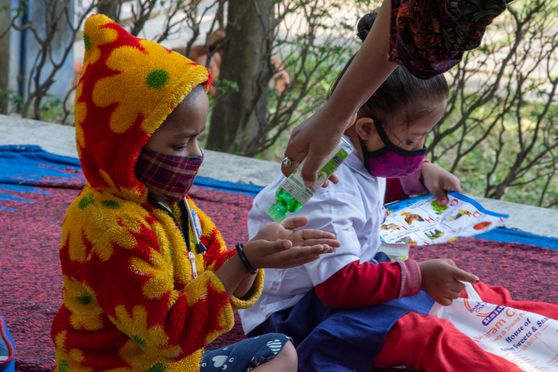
(292, 194)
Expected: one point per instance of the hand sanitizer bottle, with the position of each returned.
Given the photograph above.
(292, 194)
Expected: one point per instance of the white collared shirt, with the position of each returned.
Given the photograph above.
(353, 210)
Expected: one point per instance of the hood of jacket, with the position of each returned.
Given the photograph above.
(127, 88)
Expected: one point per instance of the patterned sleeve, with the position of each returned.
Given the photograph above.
(217, 253)
(429, 37)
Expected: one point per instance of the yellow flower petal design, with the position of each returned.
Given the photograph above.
(153, 72)
(81, 113)
(68, 361)
(94, 35)
(81, 301)
(147, 344)
(85, 226)
(162, 280)
(177, 247)
(60, 340)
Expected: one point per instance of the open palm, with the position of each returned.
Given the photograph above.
(289, 229)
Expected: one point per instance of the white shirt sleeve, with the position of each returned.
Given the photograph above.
(340, 213)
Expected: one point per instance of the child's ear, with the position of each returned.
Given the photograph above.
(365, 128)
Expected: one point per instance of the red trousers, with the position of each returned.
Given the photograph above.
(427, 343)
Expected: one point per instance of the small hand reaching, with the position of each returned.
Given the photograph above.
(442, 280)
(283, 246)
(289, 229)
(439, 181)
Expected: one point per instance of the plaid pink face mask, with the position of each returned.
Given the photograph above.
(169, 176)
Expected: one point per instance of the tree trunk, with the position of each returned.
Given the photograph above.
(241, 104)
(110, 8)
(220, 14)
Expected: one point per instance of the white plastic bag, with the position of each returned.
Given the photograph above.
(529, 340)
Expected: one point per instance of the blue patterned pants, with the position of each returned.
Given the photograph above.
(244, 355)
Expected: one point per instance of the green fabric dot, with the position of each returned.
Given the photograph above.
(159, 367)
(112, 204)
(86, 42)
(63, 366)
(138, 340)
(85, 201)
(157, 79)
(84, 298)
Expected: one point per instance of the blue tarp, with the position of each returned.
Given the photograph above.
(30, 169)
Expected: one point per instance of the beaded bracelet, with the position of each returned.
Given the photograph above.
(244, 259)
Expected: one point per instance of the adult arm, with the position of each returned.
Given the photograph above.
(426, 37)
(313, 140)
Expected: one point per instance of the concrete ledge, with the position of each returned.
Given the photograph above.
(60, 139)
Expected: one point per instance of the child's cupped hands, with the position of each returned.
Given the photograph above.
(442, 280)
(439, 181)
(286, 244)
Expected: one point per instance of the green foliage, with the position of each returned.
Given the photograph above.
(52, 109)
(502, 146)
(500, 134)
(51, 106)
(491, 160)
(312, 97)
(226, 86)
(10, 97)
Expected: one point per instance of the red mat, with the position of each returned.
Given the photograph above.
(30, 281)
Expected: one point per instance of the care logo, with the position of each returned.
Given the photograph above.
(493, 314)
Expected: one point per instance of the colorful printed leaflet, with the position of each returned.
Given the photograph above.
(422, 220)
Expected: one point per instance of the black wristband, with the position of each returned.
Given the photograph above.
(240, 251)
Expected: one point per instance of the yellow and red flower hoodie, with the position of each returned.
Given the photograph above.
(130, 299)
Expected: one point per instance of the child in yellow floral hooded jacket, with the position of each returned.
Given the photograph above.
(148, 280)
